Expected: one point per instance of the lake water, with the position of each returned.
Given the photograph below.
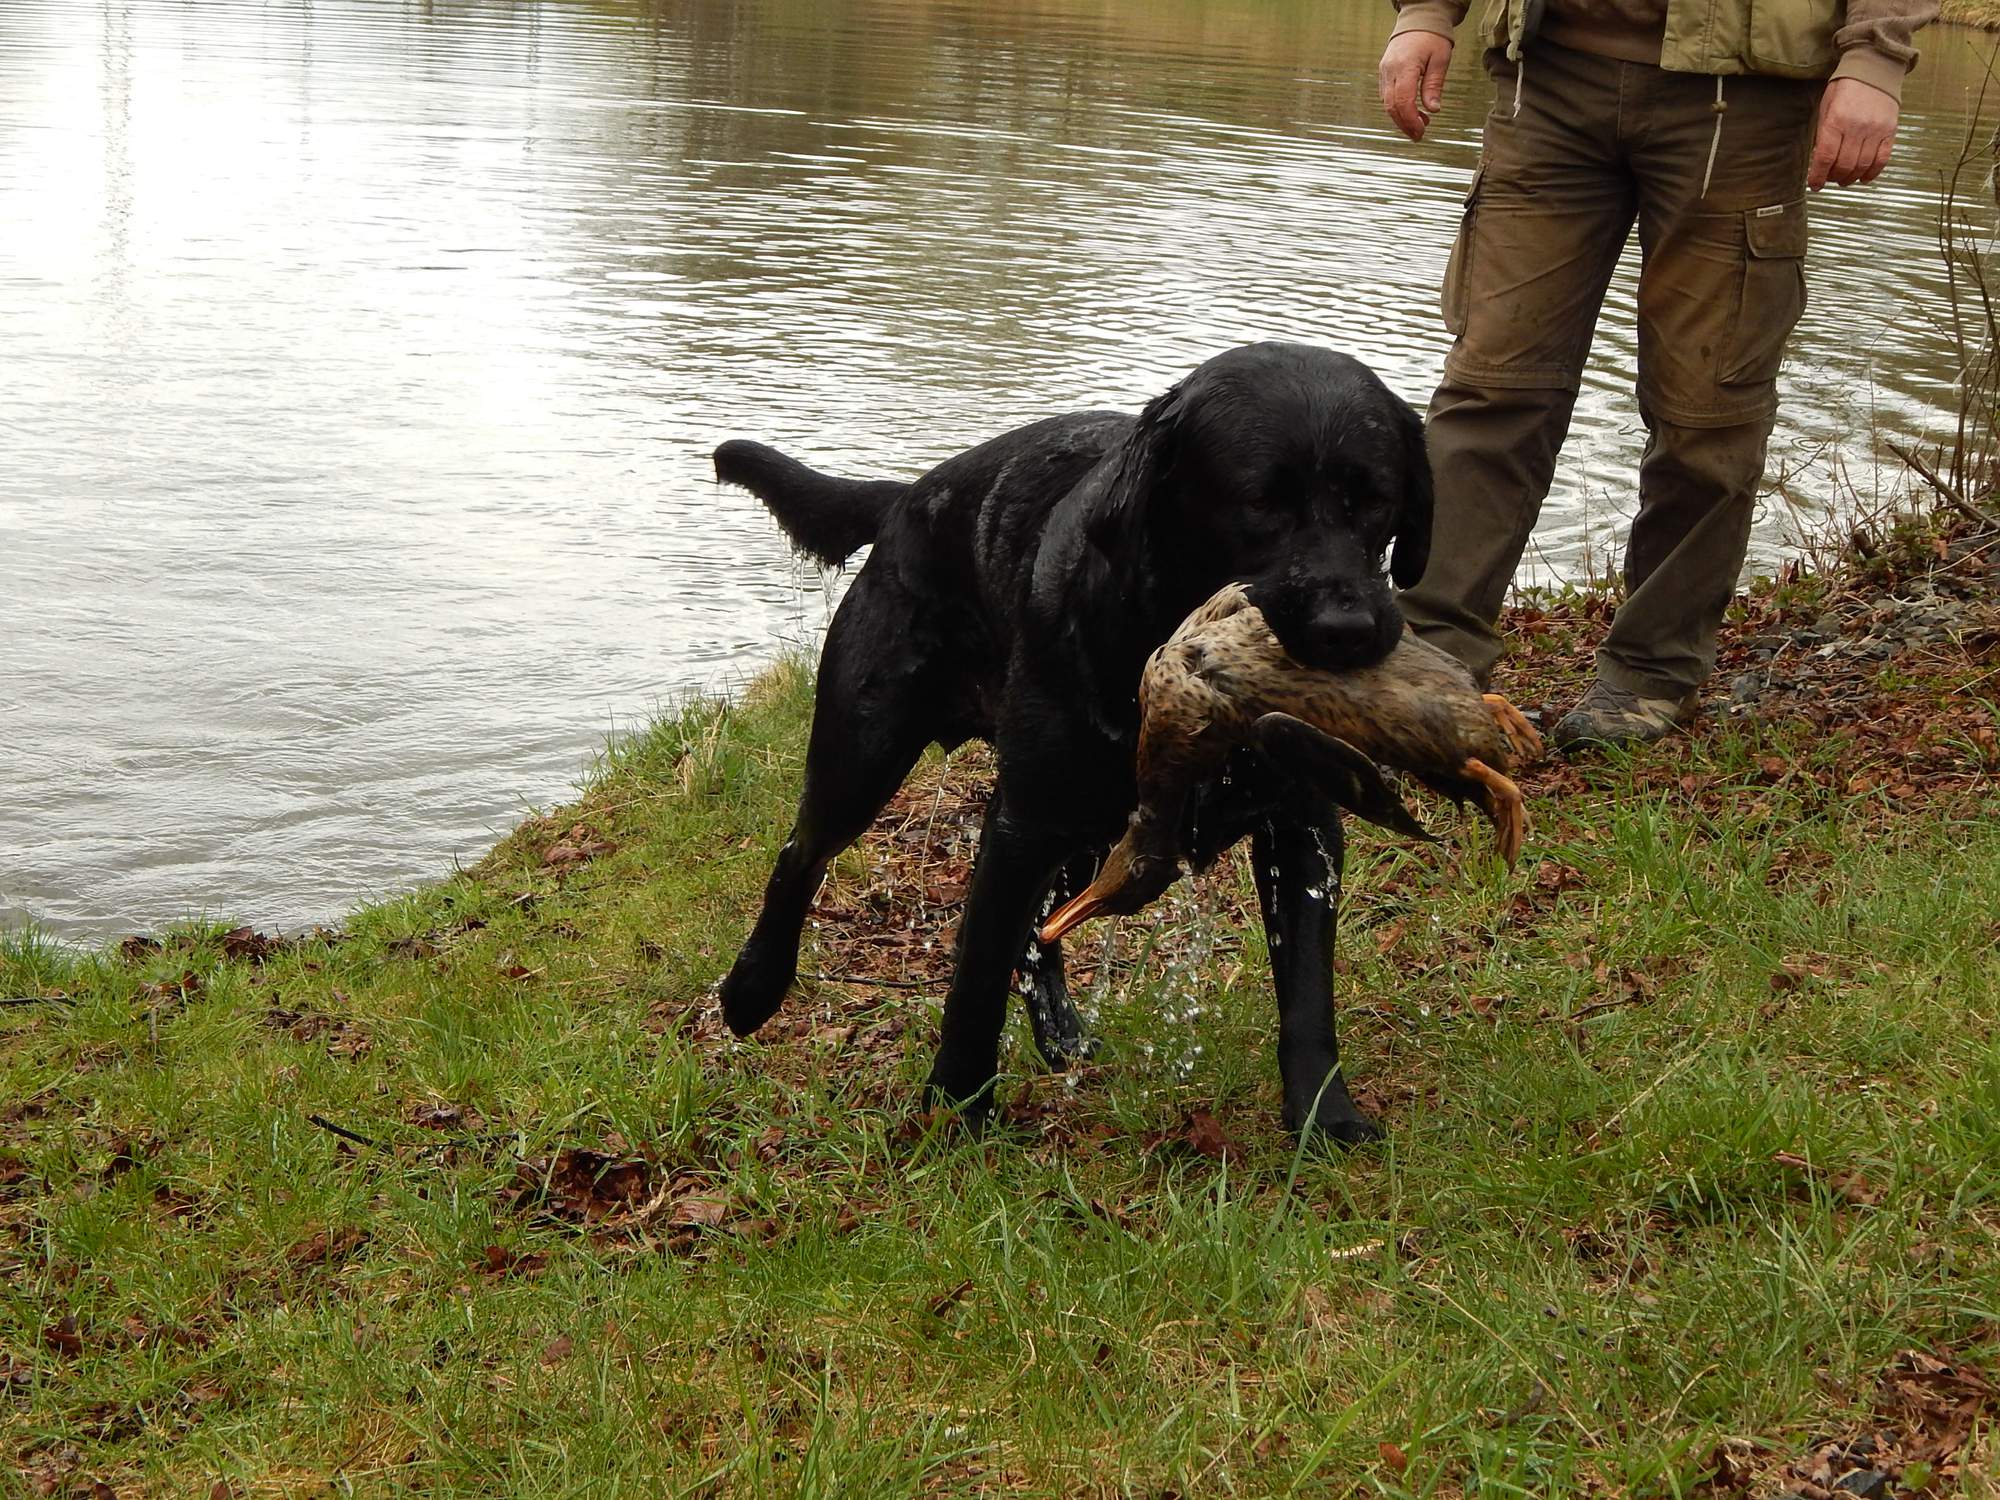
(362, 361)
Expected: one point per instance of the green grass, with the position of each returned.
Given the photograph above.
(1575, 1267)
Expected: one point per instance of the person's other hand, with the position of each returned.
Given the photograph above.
(1857, 128)
(1412, 79)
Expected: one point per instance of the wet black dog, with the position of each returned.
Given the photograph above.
(1014, 593)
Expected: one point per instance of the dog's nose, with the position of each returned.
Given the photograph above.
(1350, 635)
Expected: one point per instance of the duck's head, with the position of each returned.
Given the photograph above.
(1133, 875)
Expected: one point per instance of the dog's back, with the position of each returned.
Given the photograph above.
(967, 529)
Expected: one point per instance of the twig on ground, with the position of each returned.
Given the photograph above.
(1599, 1007)
(36, 1000)
(1946, 491)
(1687, 1059)
(345, 1134)
(887, 984)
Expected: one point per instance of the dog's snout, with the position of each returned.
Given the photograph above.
(1347, 635)
(1333, 623)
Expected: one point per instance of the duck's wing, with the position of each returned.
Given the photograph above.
(1339, 770)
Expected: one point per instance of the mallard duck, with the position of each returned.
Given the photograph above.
(1223, 681)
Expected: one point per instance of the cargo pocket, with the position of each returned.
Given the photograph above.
(1773, 293)
(1458, 270)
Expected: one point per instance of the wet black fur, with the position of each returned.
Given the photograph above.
(1014, 593)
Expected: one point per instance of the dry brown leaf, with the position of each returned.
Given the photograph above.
(1205, 1137)
(699, 1211)
(63, 1337)
(944, 1304)
(1850, 1185)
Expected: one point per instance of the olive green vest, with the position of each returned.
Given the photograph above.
(1784, 38)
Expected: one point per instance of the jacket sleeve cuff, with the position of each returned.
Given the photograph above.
(1877, 69)
(1436, 16)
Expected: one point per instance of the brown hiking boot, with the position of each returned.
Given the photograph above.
(1609, 716)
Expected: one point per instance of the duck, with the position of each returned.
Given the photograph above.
(1223, 682)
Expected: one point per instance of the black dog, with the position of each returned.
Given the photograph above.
(1014, 593)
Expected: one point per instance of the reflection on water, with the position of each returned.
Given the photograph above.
(363, 360)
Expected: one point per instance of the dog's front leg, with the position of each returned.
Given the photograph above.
(1297, 860)
(1015, 863)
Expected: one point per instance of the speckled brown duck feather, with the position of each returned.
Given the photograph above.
(1222, 681)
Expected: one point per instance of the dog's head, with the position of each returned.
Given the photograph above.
(1294, 470)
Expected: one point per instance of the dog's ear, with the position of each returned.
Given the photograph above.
(1412, 552)
(1115, 523)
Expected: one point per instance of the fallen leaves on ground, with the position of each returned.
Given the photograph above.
(325, 1247)
(1849, 1185)
(1926, 1410)
(629, 1197)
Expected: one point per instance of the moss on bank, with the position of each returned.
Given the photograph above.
(1690, 1176)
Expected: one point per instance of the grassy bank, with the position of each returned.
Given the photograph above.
(1691, 1177)
(1984, 14)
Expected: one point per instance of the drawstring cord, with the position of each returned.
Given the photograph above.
(1721, 108)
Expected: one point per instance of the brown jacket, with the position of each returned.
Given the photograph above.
(1865, 39)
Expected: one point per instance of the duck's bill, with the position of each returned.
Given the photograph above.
(1091, 902)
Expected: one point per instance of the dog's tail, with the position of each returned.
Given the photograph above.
(827, 517)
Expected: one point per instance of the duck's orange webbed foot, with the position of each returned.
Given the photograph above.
(1522, 737)
(1504, 804)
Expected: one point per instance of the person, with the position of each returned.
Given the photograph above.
(1707, 122)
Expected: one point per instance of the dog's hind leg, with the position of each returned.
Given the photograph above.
(871, 720)
(1059, 1033)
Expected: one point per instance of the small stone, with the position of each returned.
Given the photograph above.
(1746, 687)
(1869, 1484)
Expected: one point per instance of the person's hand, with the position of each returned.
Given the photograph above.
(1412, 79)
(1857, 128)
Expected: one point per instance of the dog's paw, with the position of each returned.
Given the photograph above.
(1331, 1118)
(752, 991)
(971, 1102)
(1346, 1133)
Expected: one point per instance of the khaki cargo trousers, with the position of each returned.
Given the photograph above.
(1597, 144)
